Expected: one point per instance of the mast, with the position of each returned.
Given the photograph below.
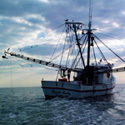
(89, 36)
(78, 44)
(75, 26)
(89, 33)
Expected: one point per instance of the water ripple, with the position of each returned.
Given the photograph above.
(27, 106)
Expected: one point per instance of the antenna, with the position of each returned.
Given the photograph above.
(90, 14)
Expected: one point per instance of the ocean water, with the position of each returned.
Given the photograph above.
(27, 106)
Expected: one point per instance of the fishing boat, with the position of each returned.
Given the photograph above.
(84, 76)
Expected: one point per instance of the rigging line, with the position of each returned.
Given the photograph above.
(78, 44)
(79, 39)
(48, 68)
(75, 54)
(82, 52)
(57, 45)
(73, 48)
(32, 46)
(101, 53)
(69, 43)
(11, 75)
(110, 49)
(23, 61)
(83, 36)
(109, 36)
(57, 28)
(61, 59)
(31, 63)
(4, 66)
(12, 89)
(94, 55)
(3, 63)
(70, 49)
(85, 25)
(78, 52)
(60, 26)
(61, 53)
(70, 27)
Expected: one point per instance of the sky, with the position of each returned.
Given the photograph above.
(31, 27)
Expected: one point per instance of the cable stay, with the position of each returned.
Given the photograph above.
(110, 49)
(57, 45)
(109, 36)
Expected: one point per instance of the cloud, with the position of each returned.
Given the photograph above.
(26, 23)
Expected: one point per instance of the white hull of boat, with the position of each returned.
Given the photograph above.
(75, 91)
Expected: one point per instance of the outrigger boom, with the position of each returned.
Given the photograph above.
(50, 64)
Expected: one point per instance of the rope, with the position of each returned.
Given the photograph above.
(110, 36)
(3, 67)
(32, 64)
(61, 53)
(101, 53)
(71, 49)
(110, 49)
(61, 58)
(12, 89)
(57, 45)
(72, 52)
(79, 52)
(68, 43)
(32, 46)
(82, 52)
